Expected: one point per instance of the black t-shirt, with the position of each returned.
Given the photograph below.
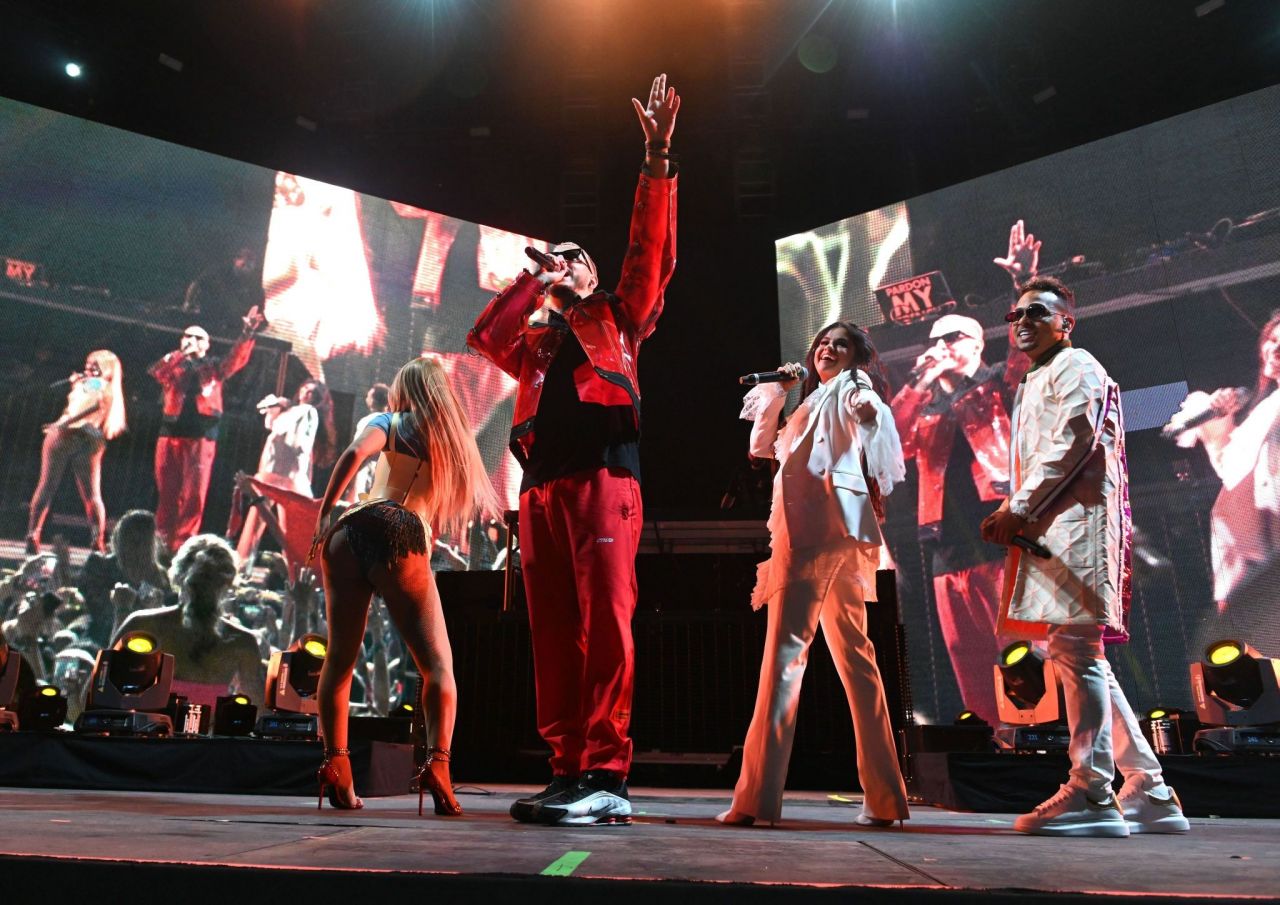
(957, 544)
(571, 435)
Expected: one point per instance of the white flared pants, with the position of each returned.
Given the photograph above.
(824, 588)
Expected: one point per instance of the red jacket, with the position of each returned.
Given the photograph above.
(209, 374)
(610, 326)
(979, 413)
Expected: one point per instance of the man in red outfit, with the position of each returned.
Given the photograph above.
(576, 432)
(953, 417)
(191, 382)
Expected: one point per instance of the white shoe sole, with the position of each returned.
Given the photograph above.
(1169, 825)
(1109, 829)
(598, 809)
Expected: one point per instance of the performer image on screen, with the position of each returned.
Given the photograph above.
(825, 548)
(113, 584)
(191, 383)
(377, 401)
(94, 414)
(1069, 493)
(576, 429)
(223, 293)
(430, 478)
(301, 435)
(213, 654)
(1245, 524)
(953, 418)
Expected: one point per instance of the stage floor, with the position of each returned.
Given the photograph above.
(674, 838)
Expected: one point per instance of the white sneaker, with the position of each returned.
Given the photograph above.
(1147, 814)
(599, 798)
(1072, 813)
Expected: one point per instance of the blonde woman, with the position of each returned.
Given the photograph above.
(429, 480)
(94, 414)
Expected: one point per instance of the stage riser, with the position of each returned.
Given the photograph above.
(1208, 786)
(55, 760)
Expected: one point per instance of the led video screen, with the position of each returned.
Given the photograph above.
(112, 240)
(1170, 237)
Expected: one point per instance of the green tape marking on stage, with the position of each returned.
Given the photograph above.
(565, 865)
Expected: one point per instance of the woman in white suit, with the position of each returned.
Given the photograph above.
(826, 546)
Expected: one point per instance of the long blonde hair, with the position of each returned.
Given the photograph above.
(113, 396)
(459, 484)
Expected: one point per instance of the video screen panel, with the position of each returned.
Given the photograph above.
(114, 240)
(1170, 237)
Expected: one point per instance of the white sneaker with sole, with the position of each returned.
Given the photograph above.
(600, 798)
(1072, 813)
(1146, 813)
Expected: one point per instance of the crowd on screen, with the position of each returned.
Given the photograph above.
(58, 617)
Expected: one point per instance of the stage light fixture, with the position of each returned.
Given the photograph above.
(1235, 685)
(294, 674)
(129, 691)
(1029, 700)
(16, 680)
(234, 714)
(292, 678)
(1028, 692)
(969, 718)
(44, 708)
(1169, 730)
(73, 70)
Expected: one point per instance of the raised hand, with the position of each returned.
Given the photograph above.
(124, 600)
(658, 116)
(1023, 258)
(253, 321)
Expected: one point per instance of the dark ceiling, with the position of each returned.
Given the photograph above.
(796, 113)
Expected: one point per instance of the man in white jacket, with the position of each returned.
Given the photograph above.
(1069, 492)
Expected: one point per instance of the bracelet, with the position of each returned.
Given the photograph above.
(663, 155)
(657, 145)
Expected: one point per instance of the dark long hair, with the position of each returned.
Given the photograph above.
(865, 357)
(1265, 385)
(325, 452)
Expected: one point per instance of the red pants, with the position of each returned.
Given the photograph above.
(968, 604)
(578, 540)
(183, 469)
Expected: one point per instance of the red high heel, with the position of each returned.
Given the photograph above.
(433, 777)
(334, 775)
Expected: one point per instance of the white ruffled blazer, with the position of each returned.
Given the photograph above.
(820, 490)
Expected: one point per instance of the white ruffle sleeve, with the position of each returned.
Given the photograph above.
(878, 437)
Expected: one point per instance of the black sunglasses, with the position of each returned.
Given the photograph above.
(953, 337)
(570, 254)
(194, 336)
(1035, 311)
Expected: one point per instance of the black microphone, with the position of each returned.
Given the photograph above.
(751, 380)
(1031, 547)
(1182, 422)
(918, 371)
(65, 382)
(541, 258)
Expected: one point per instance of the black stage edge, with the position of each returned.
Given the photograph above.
(120, 881)
(1230, 785)
(61, 760)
